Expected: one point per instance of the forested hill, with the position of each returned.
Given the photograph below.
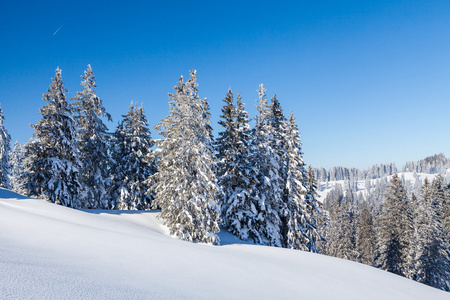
(438, 163)
(396, 220)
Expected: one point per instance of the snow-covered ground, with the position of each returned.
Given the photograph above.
(52, 252)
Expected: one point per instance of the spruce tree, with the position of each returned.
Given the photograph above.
(301, 208)
(93, 143)
(236, 177)
(281, 135)
(279, 145)
(5, 148)
(340, 235)
(185, 185)
(52, 162)
(446, 214)
(133, 162)
(365, 236)
(395, 236)
(433, 263)
(18, 176)
(297, 221)
(266, 160)
(313, 212)
(422, 218)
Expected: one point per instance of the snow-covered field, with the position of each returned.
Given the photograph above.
(52, 252)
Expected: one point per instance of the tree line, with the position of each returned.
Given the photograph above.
(252, 181)
(405, 235)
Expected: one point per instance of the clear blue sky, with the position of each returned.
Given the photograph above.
(368, 81)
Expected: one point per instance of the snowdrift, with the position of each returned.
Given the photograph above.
(52, 252)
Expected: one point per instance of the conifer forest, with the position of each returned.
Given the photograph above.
(249, 179)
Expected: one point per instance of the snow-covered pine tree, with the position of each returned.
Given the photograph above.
(313, 212)
(185, 185)
(18, 176)
(297, 221)
(133, 162)
(395, 235)
(93, 143)
(446, 214)
(266, 160)
(5, 148)
(341, 230)
(279, 127)
(365, 236)
(433, 259)
(236, 177)
(52, 162)
(300, 199)
(422, 226)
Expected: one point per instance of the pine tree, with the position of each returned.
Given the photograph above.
(93, 143)
(236, 176)
(133, 162)
(341, 231)
(279, 145)
(313, 212)
(298, 223)
(446, 214)
(266, 161)
(52, 162)
(365, 236)
(5, 148)
(422, 226)
(18, 176)
(395, 237)
(186, 186)
(280, 130)
(433, 259)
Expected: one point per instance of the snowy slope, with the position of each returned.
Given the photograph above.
(51, 252)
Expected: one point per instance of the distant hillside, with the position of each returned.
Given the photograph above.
(438, 163)
(370, 183)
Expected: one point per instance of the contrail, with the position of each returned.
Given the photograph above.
(58, 29)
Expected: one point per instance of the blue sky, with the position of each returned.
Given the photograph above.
(368, 81)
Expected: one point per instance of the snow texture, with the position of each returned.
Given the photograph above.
(53, 252)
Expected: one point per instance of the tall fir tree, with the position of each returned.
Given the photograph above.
(237, 179)
(279, 128)
(300, 216)
(266, 161)
(133, 162)
(313, 212)
(395, 238)
(433, 262)
(185, 185)
(446, 214)
(341, 240)
(422, 230)
(52, 160)
(365, 236)
(5, 148)
(93, 143)
(18, 176)
(295, 216)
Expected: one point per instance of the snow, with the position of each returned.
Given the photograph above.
(409, 178)
(52, 252)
